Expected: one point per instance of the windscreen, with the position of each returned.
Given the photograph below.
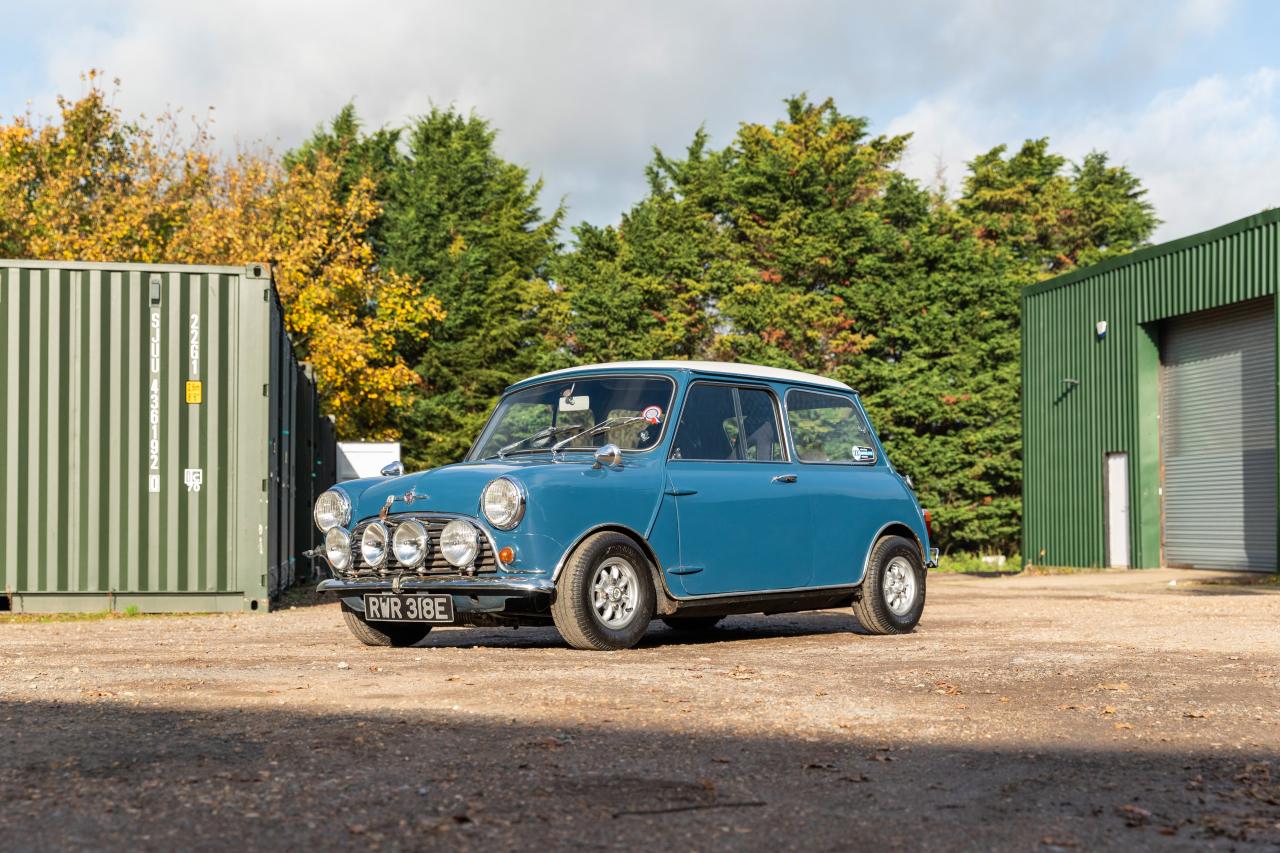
(629, 411)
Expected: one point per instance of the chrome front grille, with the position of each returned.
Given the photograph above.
(435, 564)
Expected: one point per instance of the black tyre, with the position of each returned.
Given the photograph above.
(893, 590)
(692, 624)
(604, 596)
(386, 633)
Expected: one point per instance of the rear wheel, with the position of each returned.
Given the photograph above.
(386, 633)
(893, 590)
(604, 596)
(692, 624)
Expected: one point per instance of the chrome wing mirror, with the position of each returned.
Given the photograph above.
(609, 456)
(394, 469)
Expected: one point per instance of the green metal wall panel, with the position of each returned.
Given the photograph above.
(1068, 428)
(122, 490)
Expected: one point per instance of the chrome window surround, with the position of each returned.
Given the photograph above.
(856, 410)
(784, 438)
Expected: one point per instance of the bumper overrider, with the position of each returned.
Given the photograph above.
(515, 597)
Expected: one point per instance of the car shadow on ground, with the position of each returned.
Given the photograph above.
(302, 594)
(733, 628)
(109, 774)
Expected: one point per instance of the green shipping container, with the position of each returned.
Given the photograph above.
(160, 445)
(1149, 406)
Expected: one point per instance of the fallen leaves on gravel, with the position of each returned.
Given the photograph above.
(1117, 686)
(947, 689)
(1197, 715)
(1134, 815)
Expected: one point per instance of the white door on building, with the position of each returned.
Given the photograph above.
(1118, 510)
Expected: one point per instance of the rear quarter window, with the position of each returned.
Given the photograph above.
(826, 427)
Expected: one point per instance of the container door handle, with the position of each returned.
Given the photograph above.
(785, 478)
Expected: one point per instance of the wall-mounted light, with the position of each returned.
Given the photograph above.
(1101, 326)
(1071, 382)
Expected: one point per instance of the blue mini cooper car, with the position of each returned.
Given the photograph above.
(599, 498)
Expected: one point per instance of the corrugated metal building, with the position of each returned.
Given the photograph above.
(160, 445)
(1149, 406)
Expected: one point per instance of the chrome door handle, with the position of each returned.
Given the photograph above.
(785, 478)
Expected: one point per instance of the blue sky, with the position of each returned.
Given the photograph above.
(1185, 92)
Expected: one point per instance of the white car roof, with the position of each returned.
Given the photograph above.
(726, 368)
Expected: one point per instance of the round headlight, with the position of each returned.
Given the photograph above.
(337, 548)
(460, 542)
(373, 545)
(410, 543)
(333, 509)
(503, 503)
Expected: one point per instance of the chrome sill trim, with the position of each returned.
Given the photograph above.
(783, 591)
(480, 585)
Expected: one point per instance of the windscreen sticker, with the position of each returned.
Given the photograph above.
(652, 414)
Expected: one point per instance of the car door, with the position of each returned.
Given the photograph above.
(850, 490)
(742, 522)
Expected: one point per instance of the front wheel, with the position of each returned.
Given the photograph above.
(386, 633)
(893, 590)
(604, 596)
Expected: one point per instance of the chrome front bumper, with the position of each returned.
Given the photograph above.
(498, 586)
(932, 562)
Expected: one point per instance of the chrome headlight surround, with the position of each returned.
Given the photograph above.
(373, 544)
(332, 509)
(337, 548)
(460, 543)
(410, 544)
(503, 501)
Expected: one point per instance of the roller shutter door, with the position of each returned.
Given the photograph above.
(1218, 438)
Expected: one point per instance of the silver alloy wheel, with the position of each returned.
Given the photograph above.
(899, 586)
(615, 591)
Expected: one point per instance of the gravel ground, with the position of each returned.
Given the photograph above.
(1026, 713)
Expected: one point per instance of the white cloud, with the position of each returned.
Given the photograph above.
(581, 91)
(1209, 152)
(1201, 15)
(946, 133)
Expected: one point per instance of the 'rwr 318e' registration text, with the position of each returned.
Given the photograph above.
(408, 608)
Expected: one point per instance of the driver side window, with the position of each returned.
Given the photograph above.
(721, 423)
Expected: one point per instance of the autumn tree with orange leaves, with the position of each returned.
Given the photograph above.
(90, 185)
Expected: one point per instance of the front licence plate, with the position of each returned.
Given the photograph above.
(385, 607)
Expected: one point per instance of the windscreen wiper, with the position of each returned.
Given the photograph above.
(606, 424)
(547, 432)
